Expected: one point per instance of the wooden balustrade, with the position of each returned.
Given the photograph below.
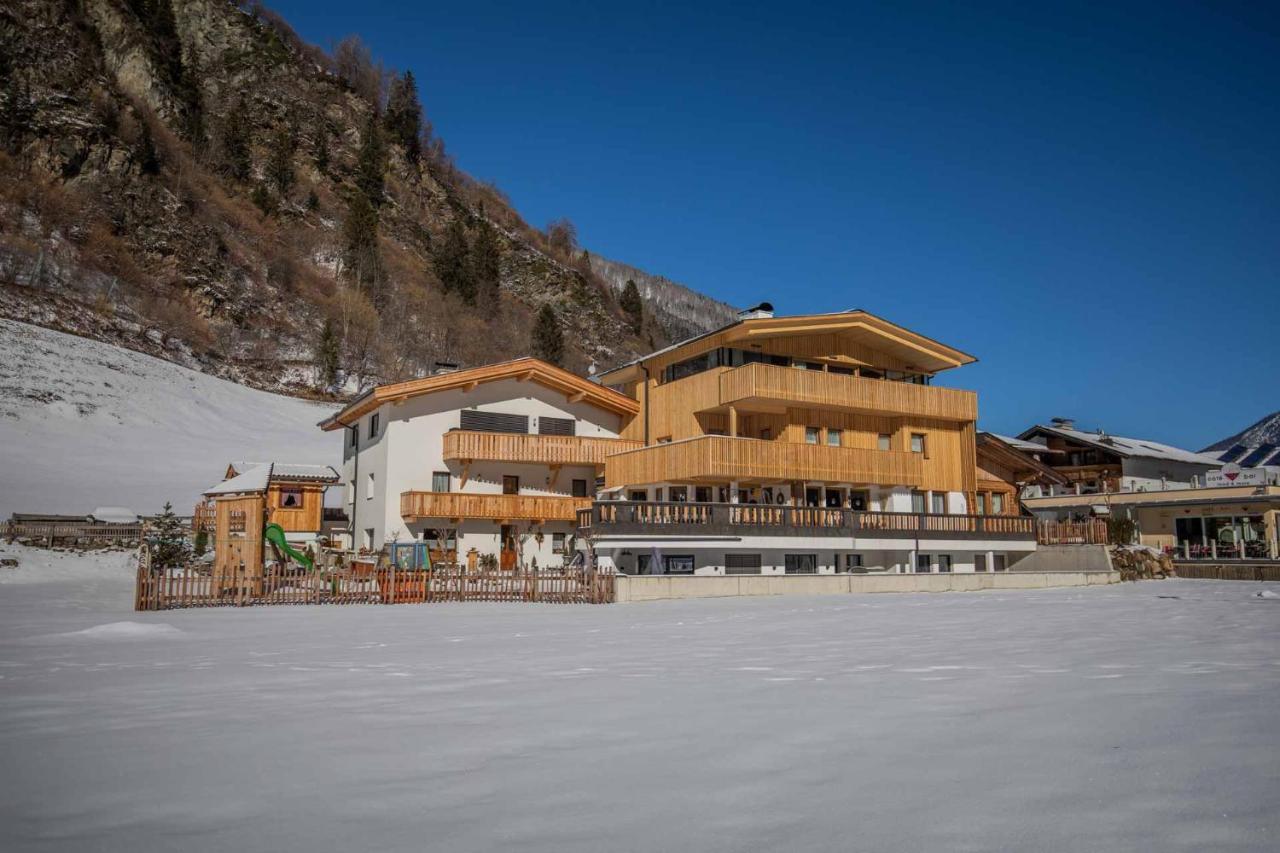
(468, 445)
(721, 458)
(772, 383)
(494, 507)
(634, 517)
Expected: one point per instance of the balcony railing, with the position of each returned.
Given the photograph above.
(468, 445)
(719, 519)
(767, 383)
(721, 458)
(416, 505)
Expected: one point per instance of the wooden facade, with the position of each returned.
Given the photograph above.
(489, 507)
(294, 517)
(469, 445)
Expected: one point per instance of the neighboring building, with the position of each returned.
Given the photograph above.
(1225, 523)
(294, 495)
(1251, 464)
(800, 445)
(1098, 463)
(495, 460)
(1009, 469)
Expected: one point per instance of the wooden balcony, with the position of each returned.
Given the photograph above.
(467, 446)
(718, 458)
(767, 385)
(490, 507)
(718, 519)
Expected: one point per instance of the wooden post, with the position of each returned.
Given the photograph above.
(733, 421)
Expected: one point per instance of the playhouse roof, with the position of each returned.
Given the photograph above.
(255, 477)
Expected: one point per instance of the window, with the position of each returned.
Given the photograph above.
(997, 503)
(944, 562)
(842, 371)
(742, 564)
(679, 564)
(801, 564)
(368, 489)
(923, 563)
(353, 437)
(702, 494)
(368, 538)
(557, 543)
(474, 419)
(917, 502)
(917, 442)
(440, 481)
(998, 563)
(979, 562)
(766, 434)
(852, 564)
(578, 488)
(884, 441)
(858, 500)
(982, 503)
(679, 494)
(351, 492)
(870, 373)
(660, 494)
(373, 425)
(556, 426)
(833, 438)
(445, 537)
(638, 495)
(291, 498)
(510, 484)
(937, 503)
(811, 435)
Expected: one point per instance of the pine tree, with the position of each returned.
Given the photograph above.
(453, 265)
(633, 306)
(280, 163)
(328, 355)
(486, 263)
(403, 120)
(236, 158)
(548, 340)
(168, 540)
(371, 162)
(145, 152)
(262, 198)
(322, 149)
(360, 253)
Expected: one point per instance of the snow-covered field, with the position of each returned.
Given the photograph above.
(85, 424)
(1137, 717)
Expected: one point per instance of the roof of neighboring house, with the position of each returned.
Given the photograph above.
(114, 515)
(256, 478)
(931, 354)
(1025, 446)
(1012, 456)
(1123, 446)
(532, 369)
(1249, 455)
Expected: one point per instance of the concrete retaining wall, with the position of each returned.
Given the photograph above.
(657, 587)
(1065, 558)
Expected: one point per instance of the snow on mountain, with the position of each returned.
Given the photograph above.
(86, 424)
(1265, 431)
(679, 310)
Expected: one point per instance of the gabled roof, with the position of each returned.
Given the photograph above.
(1024, 446)
(1005, 452)
(1123, 446)
(928, 354)
(532, 369)
(256, 477)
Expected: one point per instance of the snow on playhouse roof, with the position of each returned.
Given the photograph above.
(1124, 446)
(255, 478)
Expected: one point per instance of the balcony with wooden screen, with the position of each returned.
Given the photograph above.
(490, 507)
(718, 458)
(469, 445)
(767, 385)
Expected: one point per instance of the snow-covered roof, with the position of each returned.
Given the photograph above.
(1125, 446)
(1024, 446)
(114, 515)
(254, 478)
(1262, 455)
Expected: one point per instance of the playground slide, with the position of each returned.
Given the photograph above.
(274, 534)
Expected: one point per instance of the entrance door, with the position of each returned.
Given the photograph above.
(507, 555)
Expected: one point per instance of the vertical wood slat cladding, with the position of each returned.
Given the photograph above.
(490, 506)
(816, 388)
(722, 458)
(464, 445)
(304, 519)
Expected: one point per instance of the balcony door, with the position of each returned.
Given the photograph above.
(507, 555)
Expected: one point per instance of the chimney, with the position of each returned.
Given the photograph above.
(763, 311)
(1064, 423)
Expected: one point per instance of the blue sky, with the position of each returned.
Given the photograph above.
(1088, 199)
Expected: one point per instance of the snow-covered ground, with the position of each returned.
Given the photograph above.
(85, 424)
(1137, 717)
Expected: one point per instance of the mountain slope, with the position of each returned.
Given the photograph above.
(1265, 431)
(86, 424)
(190, 179)
(679, 311)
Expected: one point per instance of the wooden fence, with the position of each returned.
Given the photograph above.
(1227, 573)
(58, 531)
(1090, 532)
(198, 586)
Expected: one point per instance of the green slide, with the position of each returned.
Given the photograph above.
(274, 534)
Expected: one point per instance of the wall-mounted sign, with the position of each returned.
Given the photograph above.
(1232, 474)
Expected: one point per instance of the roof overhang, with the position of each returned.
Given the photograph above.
(574, 387)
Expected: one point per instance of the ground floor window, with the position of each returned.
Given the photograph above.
(923, 563)
(979, 562)
(638, 495)
(851, 564)
(742, 564)
(998, 562)
(801, 564)
(673, 564)
(944, 562)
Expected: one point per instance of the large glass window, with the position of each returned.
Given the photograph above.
(924, 564)
(979, 562)
(937, 503)
(679, 564)
(833, 437)
(801, 564)
(884, 441)
(917, 502)
(917, 442)
(982, 503)
(440, 481)
(997, 503)
(944, 562)
(811, 435)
